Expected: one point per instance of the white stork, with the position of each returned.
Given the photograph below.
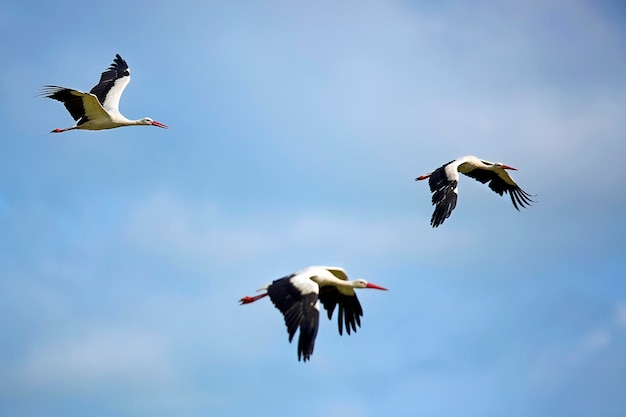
(298, 297)
(444, 181)
(98, 109)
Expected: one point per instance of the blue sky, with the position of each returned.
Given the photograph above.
(296, 132)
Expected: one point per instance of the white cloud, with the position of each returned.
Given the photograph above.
(620, 315)
(139, 369)
(596, 341)
(100, 357)
(200, 236)
(195, 233)
(558, 364)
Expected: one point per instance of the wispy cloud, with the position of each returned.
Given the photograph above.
(175, 226)
(97, 358)
(561, 362)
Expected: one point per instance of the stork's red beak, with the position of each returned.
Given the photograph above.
(159, 124)
(508, 167)
(374, 286)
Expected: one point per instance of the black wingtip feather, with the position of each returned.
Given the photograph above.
(521, 198)
(119, 64)
(49, 91)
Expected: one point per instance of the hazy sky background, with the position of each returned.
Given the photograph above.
(297, 129)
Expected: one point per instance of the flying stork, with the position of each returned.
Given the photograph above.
(444, 181)
(298, 298)
(98, 109)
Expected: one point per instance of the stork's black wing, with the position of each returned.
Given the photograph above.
(444, 191)
(350, 310)
(72, 102)
(117, 70)
(299, 309)
(501, 182)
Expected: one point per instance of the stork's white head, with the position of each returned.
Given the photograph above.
(496, 165)
(149, 122)
(502, 166)
(361, 283)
